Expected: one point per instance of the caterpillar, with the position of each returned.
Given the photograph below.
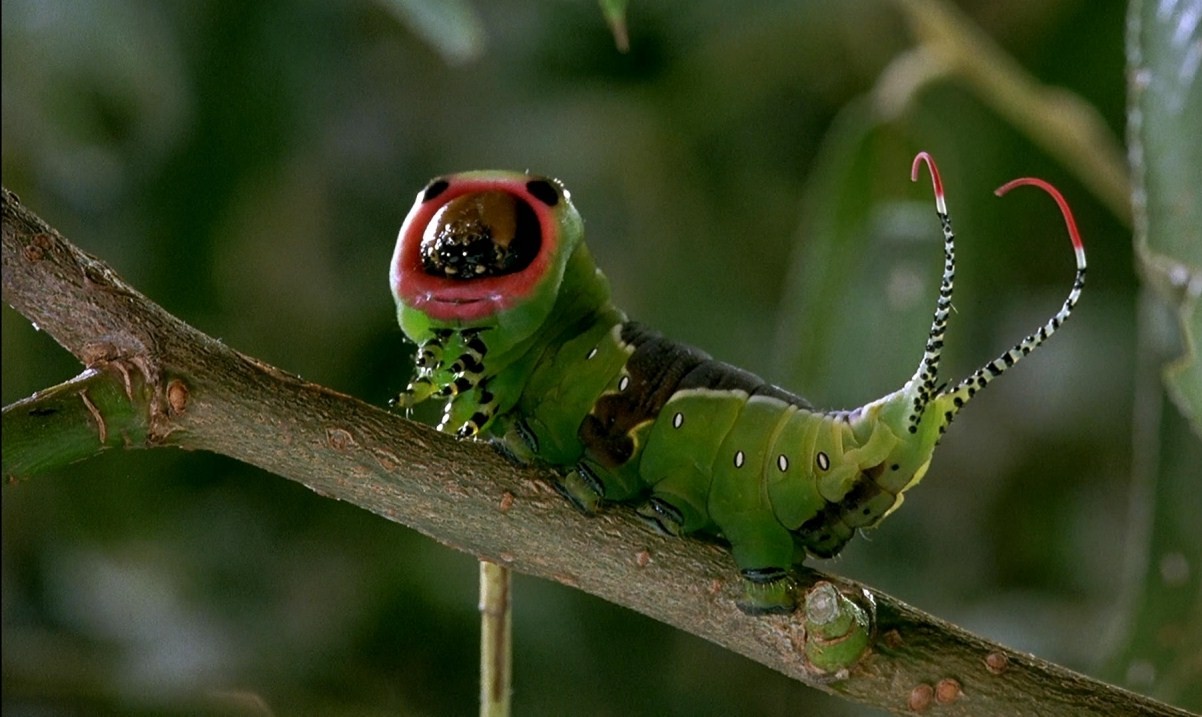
(516, 331)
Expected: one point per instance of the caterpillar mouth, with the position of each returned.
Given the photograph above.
(457, 301)
(459, 305)
(460, 294)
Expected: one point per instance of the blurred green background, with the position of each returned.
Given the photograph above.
(745, 187)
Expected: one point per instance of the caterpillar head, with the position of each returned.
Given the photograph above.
(483, 249)
(923, 409)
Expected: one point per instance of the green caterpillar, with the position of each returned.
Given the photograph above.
(516, 330)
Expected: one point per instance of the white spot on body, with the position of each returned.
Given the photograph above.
(592, 352)
(624, 383)
(678, 420)
(823, 461)
(782, 462)
(739, 458)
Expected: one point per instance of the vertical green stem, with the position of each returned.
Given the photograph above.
(495, 641)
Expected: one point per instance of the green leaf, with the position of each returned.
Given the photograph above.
(452, 27)
(850, 233)
(615, 14)
(1165, 123)
(1159, 653)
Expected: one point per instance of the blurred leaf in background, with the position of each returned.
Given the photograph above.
(1163, 621)
(743, 174)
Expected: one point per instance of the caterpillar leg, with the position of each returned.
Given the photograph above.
(767, 591)
(582, 486)
(468, 412)
(662, 517)
(516, 440)
(429, 354)
(672, 513)
(428, 361)
(418, 390)
(485, 408)
(440, 375)
(468, 367)
(764, 552)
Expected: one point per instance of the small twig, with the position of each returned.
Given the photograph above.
(496, 663)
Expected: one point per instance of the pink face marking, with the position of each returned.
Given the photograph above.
(475, 245)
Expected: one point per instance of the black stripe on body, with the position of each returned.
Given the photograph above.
(658, 368)
(650, 347)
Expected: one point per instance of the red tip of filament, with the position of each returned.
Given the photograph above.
(1069, 222)
(936, 182)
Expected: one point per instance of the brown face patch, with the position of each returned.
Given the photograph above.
(479, 235)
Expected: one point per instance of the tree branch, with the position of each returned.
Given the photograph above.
(193, 392)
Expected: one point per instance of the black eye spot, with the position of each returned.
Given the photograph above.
(544, 191)
(438, 186)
